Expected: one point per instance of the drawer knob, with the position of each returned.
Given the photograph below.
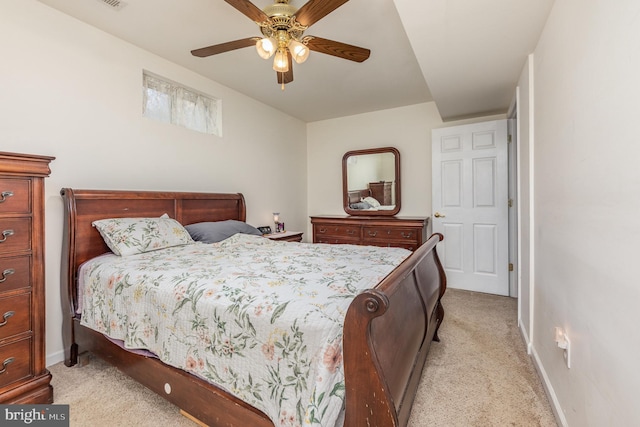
(351, 232)
(5, 234)
(6, 362)
(407, 236)
(322, 230)
(6, 317)
(373, 233)
(4, 195)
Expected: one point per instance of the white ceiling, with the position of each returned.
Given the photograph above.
(466, 55)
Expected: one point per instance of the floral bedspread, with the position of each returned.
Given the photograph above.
(262, 319)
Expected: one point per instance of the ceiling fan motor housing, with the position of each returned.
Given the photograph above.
(281, 18)
(280, 8)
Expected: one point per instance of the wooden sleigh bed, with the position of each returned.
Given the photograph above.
(387, 331)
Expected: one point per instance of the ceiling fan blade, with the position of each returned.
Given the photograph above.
(284, 78)
(314, 10)
(250, 10)
(224, 47)
(341, 50)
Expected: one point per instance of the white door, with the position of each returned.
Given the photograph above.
(470, 205)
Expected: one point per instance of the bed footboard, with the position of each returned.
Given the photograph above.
(387, 334)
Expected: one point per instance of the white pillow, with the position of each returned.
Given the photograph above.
(130, 236)
(373, 202)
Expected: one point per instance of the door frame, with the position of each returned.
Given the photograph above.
(513, 153)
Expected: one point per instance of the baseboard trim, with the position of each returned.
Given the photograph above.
(54, 358)
(525, 337)
(548, 388)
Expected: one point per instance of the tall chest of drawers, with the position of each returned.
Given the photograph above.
(24, 378)
(401, 232)
(381, 191)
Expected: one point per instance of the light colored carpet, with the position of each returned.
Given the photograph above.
(478, 375)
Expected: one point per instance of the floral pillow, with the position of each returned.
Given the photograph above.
(130, 236)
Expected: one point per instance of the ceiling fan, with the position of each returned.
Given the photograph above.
(283, 28)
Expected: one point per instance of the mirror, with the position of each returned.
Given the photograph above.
(371, 181)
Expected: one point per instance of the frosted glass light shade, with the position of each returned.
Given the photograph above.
(280, 61)
(266, 47)
(299, 51)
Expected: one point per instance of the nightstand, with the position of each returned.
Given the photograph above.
(285, 236)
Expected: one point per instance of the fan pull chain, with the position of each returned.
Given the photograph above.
(282, 80)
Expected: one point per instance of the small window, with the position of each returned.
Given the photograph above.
(171, 102)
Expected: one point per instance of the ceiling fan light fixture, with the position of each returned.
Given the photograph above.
(282, 26)
(280, 61)
(266, 47)
(299, 51)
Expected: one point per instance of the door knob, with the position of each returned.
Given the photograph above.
(438, 215)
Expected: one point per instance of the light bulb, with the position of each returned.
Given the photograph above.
(299, 51)
(280, 61)
(266, 47)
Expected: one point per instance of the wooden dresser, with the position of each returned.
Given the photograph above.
(402, 232)
(24, 378)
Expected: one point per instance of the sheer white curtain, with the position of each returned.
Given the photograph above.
(194, 111)
(157, 99)
(171, 103)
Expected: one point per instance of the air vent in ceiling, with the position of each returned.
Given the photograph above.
(113, 4)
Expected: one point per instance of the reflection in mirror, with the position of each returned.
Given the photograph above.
(371, 181)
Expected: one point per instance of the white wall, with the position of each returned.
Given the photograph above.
(406, 128)
(73, 92)
(587, 205)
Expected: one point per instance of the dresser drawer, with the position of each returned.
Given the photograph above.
(15, 196)
(15, 362)
(391, 233)
(15, 273)
(15, 315)
(337, 230)
(15, 234)
(412, 246)
(336, 240)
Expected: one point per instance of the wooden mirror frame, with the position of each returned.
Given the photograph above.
(345, 184)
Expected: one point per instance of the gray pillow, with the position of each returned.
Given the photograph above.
(212, 232)
(360, 205)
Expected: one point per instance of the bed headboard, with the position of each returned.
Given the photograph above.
(81, 241)
(356, 195)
